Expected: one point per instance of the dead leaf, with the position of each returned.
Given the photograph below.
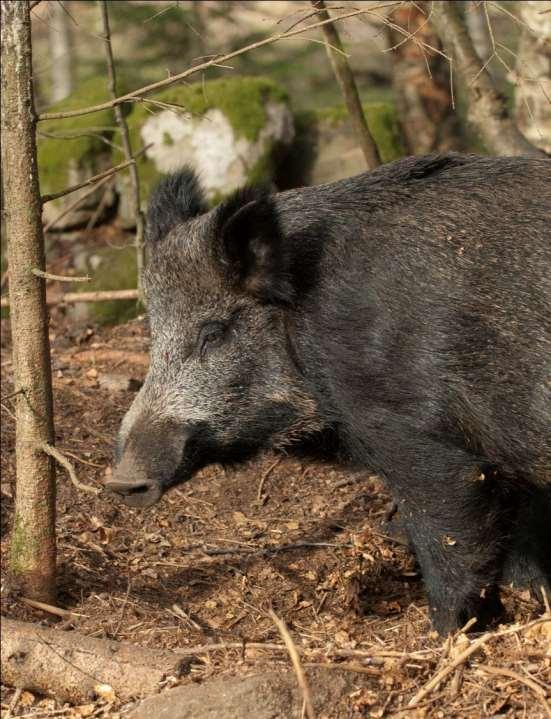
(105, 691)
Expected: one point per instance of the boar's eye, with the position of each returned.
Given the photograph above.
(211, 335)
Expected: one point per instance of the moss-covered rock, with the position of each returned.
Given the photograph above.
(326, 148)
(231, 131)
(113, 268)
(74, 149)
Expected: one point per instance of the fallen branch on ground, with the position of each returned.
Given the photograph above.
(538, 690)
(297, 666)
(76, 297)
(460, 658)
(72, 667)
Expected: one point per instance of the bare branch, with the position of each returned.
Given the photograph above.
(345, 78)
(59, 278)
(92, 180)
(297, 666)
(77, 202)
(160, 84)
(77, 297)
(125, 138)
(64, 462)
(487, 110)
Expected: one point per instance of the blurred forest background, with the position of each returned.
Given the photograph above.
(283, 120)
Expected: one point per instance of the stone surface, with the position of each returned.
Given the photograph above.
(326, 148)
(231, 132)
(263, 696)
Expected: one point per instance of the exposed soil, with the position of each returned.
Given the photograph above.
(209, 561)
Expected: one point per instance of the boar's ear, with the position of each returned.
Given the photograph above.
(177, 198)
(251, 246)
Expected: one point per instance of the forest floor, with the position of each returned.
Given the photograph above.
(207, 563)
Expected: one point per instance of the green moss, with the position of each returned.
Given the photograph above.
(381, 119)
(22, 547)
(242, 100)
(167, 139)
(116, 271)
(82, 136)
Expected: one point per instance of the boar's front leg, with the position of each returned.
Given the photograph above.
(453, 513)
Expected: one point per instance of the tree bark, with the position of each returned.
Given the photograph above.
(73, 667)
(533, 91)
(421, 82)
(487, 110)
(59, 38)
(33, 550)
(346, 81)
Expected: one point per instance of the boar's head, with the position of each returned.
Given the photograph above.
(222, 382)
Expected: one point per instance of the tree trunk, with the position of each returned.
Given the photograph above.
(33, 550)
(75, 668)
(346, 81)
(487, 110)
(429, 122)
(477, 26)
(60, 52)
(533, 92)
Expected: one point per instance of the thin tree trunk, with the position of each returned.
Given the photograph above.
(125, 138)
(477, 26)
(487, 110)
(533, 91)
(60, 52)
(33, 551)
(346, 81)
(421, 82)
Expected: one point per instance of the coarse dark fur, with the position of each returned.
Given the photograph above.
(404, 312)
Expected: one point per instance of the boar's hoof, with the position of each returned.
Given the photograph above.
(135, 494)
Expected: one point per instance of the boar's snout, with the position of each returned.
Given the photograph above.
(152, 458)
(135, 492)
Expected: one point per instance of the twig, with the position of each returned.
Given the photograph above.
(77, 297)
(269, 550)
(460, 658)
(421, 655)
(295, 659)
(64, 462)
(57, 611)
(538, 690)
(77, 202)
(8, 411)
(210, 63)
(264, 477)
(94, 217)
(125, 138)
(14, 701)
(58, 278)
(545, 601)
(92, 180)
(13, 394)
(348, 667)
